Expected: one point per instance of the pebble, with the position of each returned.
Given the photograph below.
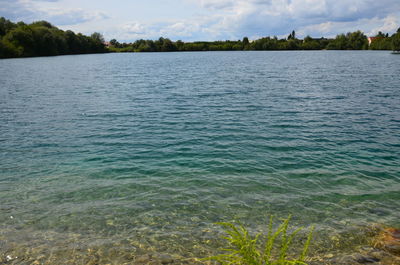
(366, 259)
(143, 259)
(165, 259)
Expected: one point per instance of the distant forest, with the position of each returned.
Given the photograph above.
(43, 39)
(350, 41)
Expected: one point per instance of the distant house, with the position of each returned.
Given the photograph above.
(372, 39)
(107, 44)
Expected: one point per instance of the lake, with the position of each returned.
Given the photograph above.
(108, 157)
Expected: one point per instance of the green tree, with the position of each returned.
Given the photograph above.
(380, 34)
(357, 40)
(292, 44)
(396, 41)
(115, 43)
(40, 38)
(72, 42)
(292, 35)
(8, 50)
(246, 43)
(42, 23)
(168, 46)
(22, 38)
(179, 45)
(5, 26)
(310, 44)
(45, 41)
(97, 37)
(339, 43)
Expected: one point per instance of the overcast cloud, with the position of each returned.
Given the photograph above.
(209, 19)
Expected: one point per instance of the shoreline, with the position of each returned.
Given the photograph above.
(87, 250)
(175, 52)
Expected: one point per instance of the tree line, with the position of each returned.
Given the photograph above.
(43, 39)
(350, 41)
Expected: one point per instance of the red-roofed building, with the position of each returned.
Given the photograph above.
(371, 39)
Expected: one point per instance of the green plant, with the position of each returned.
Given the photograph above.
(245, 249)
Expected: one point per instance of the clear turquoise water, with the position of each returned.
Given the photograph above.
(144, 152)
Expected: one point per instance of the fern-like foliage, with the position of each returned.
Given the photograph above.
(244, 249)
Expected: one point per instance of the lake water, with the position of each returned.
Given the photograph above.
(115, 155)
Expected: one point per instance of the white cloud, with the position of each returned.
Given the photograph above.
(222, 19)
(70, 16)
(256, 18)
(388, 24)
(33, 10)
(370, 26)
(134, 28)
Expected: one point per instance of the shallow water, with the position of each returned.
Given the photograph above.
(123, 154)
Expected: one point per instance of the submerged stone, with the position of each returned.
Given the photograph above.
(389, 239)
(366, 259)
(165, 259)
(143, 259)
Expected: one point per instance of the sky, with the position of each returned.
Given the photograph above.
(196, 20)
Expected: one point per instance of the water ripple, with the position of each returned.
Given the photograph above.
(154, 148)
